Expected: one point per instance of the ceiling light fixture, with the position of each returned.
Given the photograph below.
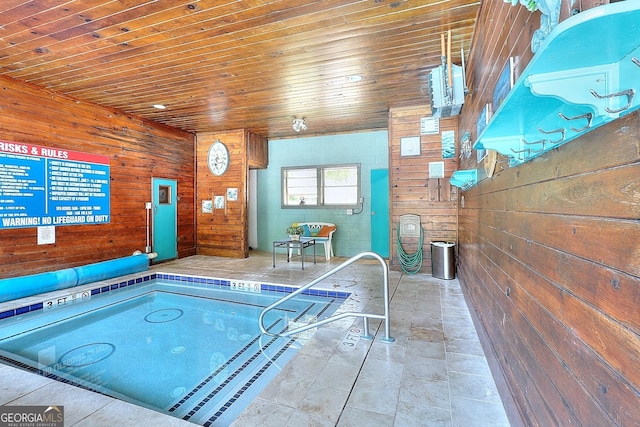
(299, 125)
(159, 106)
(354, 78)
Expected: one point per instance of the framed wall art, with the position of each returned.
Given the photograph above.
(232, 194)
(218, 202)
(410, 146)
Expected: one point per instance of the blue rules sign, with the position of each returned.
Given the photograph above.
(42, 186)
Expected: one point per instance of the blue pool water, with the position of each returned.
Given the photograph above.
(187, 350)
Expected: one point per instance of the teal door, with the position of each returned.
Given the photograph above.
(165, 218)
(380, 212)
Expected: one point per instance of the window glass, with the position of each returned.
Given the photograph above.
(317, 186)
(340, 185)
(301, 187)
(164, 195)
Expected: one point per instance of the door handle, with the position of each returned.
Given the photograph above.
(373, 212)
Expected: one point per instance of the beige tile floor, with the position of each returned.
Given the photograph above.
(433, 374)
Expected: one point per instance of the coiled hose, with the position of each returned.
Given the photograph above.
(410, 263)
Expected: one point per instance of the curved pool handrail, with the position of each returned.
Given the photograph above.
(365, 316)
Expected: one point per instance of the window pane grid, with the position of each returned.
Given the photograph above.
(321, 186)
(300, 187)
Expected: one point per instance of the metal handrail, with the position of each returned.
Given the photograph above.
(365, 316)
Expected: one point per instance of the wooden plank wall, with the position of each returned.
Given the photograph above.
(549, 256)
(258, 151)
(412, 192)
(223, 232)
(138, 149)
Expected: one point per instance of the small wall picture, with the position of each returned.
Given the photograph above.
(410, 146)
(429, 126)
(483, 120)
(232, 194)
(207, 206)
(505, 82)
(436, 170)
(46, 235)
(218, 202)
(448, 144)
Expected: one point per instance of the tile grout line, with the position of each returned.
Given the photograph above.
(446, 354)
(364, 360)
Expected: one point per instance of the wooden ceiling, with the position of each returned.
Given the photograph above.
(231, 64)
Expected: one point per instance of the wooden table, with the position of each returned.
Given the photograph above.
(289, 244)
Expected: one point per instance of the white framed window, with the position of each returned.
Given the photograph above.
(321, 186)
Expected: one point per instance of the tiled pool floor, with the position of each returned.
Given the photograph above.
(434, 374)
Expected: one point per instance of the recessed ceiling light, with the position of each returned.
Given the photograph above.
(159, 106)
(354, 78)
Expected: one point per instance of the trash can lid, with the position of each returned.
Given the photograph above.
(443, 244)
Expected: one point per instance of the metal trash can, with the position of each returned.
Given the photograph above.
(443, 260)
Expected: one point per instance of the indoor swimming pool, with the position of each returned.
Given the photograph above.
(184, 346)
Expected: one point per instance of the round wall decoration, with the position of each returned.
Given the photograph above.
(218, 158)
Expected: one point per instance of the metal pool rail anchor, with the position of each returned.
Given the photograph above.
(365, 316)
